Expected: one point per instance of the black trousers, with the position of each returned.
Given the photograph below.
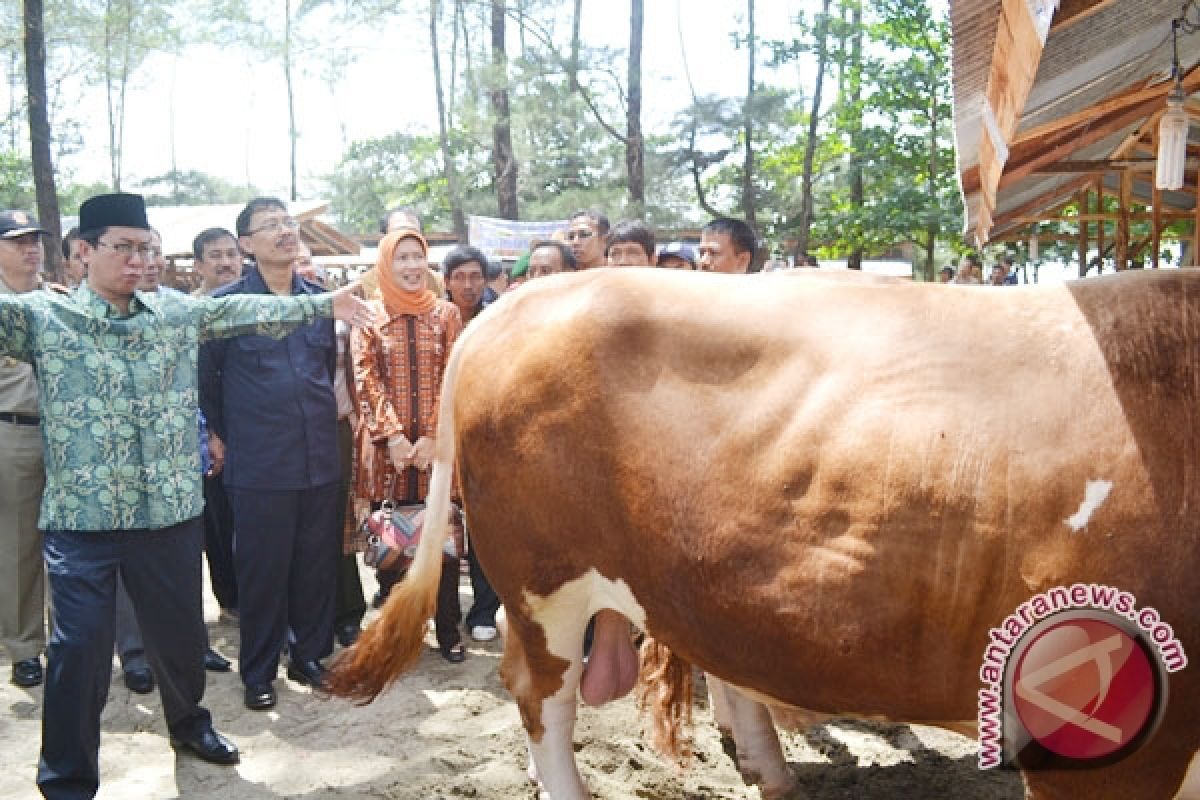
(285, 553)
(218, 543)
(161, 571)
(486, 604)
(350, 606)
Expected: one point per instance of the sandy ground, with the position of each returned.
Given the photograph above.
(451, 731)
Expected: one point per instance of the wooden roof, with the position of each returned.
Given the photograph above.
(1049, 101)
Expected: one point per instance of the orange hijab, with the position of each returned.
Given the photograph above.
(396, 299)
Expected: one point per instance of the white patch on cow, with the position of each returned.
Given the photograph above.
(564, 613)
(1190, 790)
(1094, 495)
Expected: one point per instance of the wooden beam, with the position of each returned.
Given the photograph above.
(1140, 164)
(1130, 97)
(1101, 222)
(1141, 216)
(1012, 68)
(1043, 200)
(1072, 11)
(1073, 141)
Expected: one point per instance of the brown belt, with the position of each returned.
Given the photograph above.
(20, 419)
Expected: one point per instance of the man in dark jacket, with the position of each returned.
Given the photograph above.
(272, 404)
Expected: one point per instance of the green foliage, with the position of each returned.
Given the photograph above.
(193, 188)
(401, 169)
(16, 181)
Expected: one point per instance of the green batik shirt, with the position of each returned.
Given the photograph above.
(117, 395)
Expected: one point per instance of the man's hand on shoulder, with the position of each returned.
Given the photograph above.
(349, 306)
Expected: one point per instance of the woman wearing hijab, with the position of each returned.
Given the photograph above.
(398, 369)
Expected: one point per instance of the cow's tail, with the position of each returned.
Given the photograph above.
(391, 645)
(665, 691)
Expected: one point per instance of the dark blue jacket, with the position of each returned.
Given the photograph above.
(271, 400)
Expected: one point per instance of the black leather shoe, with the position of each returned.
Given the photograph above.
(215, 662)
(348, 634)
(208, 745)
(28, 672)
(260, 697)
(455, 653)
(139, 680)
(309, 673)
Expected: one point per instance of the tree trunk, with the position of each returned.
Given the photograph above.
(448, 168)
(748, 209)
(810, 145)
(14, 91)
(108, 95)
(39, 133)
(128, 55)
(291, 98)
(504, 165)
(856, 164)
(932, 230)
(573, 64)
(635, 146)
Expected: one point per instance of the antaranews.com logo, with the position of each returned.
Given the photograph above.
(1074, 677)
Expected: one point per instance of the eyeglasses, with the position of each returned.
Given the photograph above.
(127, 249)
(275, 226)
(579, 234)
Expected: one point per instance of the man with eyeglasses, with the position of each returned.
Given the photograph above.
(587, 234)
(272, 403)
(117, 406)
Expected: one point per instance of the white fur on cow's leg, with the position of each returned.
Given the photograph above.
(759, 754)
(554, 755)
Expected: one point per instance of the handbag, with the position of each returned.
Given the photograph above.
(393, 533)
(392, 536)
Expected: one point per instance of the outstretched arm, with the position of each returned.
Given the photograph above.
(268, 315)
(16, 331)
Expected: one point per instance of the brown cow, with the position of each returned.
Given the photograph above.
(824, 492)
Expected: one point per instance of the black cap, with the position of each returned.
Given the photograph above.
(17, 223)
(122, 210)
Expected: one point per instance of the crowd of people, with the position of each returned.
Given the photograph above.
(970, 272)
(143, 430)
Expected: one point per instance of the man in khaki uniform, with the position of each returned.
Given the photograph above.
(22, 603)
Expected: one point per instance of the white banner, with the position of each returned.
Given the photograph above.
(508, 239)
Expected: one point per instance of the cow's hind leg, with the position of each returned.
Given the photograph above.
(544, 686)
(759, 753)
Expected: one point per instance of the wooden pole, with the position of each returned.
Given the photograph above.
(1156, 228)
(1122, 252)
(1100, 224)
(1081, 204)
(1194, 256)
